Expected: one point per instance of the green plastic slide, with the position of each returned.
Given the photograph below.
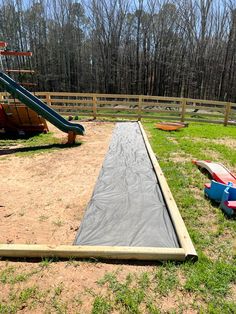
(38, 106)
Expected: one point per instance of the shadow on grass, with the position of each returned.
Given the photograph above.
(14, 136)
(217, 205)
(8, 151)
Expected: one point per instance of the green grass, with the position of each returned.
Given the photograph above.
(165, 279)
(46, 262)
(126, 297)
(212, 276)
(101, 306)
(10, 275)
(27, 297)
(30, 141)
(42, 143)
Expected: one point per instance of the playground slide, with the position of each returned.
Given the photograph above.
(38, 106)
(218, 171)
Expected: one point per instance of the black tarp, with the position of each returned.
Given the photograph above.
(127, 207)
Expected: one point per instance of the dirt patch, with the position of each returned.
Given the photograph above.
(214, 155)
(173, 140)
(66, 283)
(44, 196)
(180, 158)
(180, 301)
(233, 292)
(227, 141)
(198, 194)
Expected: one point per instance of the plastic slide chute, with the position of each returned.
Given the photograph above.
(217, 171)
(40, 107)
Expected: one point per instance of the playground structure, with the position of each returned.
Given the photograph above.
(222, 188)
(217, 171)
(16, 118)
(28, 114)
(40, 108)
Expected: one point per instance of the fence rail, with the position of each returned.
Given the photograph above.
(136, 107)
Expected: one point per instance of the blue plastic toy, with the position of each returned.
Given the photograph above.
(223, 194)
(228, 202)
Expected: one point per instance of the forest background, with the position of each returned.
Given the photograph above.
(180, 48)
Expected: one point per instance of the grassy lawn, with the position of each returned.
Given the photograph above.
(212, 279)
(207, 286)
(27, 146)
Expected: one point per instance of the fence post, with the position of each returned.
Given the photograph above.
(48, 99)
(139, 107)
(227, 111)
(94, 107)
(183, 103)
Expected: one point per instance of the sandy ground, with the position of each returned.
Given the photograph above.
(43, 197)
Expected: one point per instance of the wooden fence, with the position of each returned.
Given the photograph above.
(138, 107)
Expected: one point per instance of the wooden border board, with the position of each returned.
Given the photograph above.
(180, 228)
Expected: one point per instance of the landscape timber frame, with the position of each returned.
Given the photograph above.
(185, 252)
